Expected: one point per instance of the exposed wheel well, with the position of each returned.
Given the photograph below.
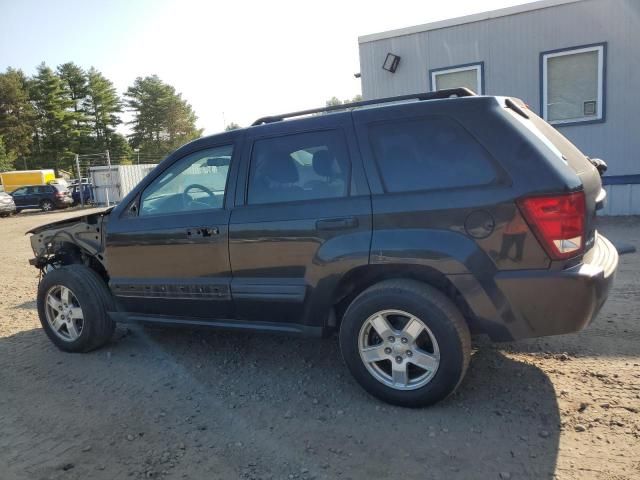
(67, 253)
(359, 279)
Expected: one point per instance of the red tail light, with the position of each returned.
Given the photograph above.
(60, 194)
(558, 222)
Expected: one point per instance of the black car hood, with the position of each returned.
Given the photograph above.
(93, 217)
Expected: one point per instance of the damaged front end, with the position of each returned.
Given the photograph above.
(71, 241)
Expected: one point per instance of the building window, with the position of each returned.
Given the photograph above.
(573, 85)
(470, 76)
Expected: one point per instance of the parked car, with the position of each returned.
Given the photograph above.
(87, 193)
(44, 197)
(403, 227)
(7, 205)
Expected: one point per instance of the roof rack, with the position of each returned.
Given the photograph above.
(448, 93)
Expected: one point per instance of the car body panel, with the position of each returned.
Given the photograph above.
(286, 266)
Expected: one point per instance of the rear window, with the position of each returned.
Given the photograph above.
(429, 153)
(568, 151)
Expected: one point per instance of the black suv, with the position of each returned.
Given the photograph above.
(44, 197)
(404, 226)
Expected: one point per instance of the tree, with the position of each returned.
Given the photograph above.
(17, 116)
(163, 120)
(74, 84)
(57, 131)
(7, 159)
(101, 106)
(333, 101)
(232, 126)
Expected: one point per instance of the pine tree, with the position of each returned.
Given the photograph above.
(57, 131)
(7, 159)
(102, 106)
(162, 119)
(74, 81)
(17, 116)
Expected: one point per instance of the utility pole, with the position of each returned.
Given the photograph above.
(109, 178)
(80, 184)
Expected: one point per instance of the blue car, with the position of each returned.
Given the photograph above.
(87, 193)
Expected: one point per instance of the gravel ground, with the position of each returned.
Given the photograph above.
(205, 404)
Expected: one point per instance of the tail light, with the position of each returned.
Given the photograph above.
(60, 194)
(558, 221)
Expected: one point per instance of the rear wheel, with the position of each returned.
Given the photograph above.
(405, 342)
(73, 302)
(46, 205)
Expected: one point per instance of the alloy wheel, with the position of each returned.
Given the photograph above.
(64, 313)
(398, 349)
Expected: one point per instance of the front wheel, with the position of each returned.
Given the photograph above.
(405, 342)
(73, 302)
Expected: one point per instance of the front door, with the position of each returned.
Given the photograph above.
(25, 197)
(168, 253)
(303, 219)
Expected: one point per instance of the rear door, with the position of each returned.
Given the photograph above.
(302, 218)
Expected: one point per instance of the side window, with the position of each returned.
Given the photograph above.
(195, 182)
(305, 166)
(20, 191)
(428, 153)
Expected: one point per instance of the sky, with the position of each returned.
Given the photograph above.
(233, 61)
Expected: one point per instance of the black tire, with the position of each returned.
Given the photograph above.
(95, 300)
(46, 205)
(436, 311)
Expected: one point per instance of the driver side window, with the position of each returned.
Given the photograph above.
(195, 182)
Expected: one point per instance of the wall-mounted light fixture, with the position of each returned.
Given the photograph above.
(391, 62)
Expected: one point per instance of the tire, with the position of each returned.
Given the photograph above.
(90, 295)
(46, 205)
(444, 345)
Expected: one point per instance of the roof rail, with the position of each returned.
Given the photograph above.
(450, 92)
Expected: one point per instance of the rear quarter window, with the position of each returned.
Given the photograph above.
(429, 153)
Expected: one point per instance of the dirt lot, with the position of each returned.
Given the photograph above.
(206, 404)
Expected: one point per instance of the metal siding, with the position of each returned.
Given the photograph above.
(510, 47)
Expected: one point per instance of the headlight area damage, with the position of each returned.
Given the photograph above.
(71, 241)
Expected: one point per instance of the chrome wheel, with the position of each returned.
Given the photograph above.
(64, 314)
(398, 349)
(47, 206)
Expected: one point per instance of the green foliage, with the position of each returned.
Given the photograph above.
(7, 159)
(57, 127)
(101, 106)
(333, 101)
(47, 119)
(162, 119)
(232, 126)
(119, 149)
(17, 116)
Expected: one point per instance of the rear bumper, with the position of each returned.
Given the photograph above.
(512, 305)
(64, 203)
(543, 303)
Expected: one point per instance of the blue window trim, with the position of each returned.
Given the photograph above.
(452, 67)
(604, 83)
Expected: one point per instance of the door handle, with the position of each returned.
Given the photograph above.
(337, 223)
(202, 232)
